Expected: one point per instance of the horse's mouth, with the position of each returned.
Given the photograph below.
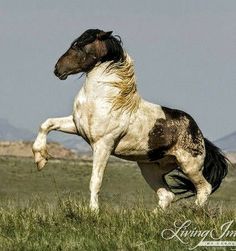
(63, 76)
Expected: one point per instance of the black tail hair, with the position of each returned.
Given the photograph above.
(214, 170)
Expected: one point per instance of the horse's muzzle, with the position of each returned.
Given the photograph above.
(60, 76)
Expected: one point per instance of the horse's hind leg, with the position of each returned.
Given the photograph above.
(192, 168)
(153, 174)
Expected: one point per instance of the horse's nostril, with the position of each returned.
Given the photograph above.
(56, 72)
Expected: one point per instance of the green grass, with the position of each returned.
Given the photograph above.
(71, 226)
(48, 210)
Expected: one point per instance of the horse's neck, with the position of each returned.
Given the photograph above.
(98, 82)
(114, 83)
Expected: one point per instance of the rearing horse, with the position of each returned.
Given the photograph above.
(111, 116)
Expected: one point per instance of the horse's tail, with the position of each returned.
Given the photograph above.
(214, 170)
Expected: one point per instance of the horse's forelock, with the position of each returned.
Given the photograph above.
(113, 44)
(87, 37)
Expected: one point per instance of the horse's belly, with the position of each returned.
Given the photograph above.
(132, 156)
(132, 149)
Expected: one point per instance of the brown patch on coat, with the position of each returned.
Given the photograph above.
(177, 131)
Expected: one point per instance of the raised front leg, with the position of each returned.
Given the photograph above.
(101, 153)
(64, 124)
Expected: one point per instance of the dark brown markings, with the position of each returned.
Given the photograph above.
(178, 130)
(161, 138)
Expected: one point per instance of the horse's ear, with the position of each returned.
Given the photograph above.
(104, 35)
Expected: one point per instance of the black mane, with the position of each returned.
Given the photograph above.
(115, 50)
(113, 43)
(86, 38)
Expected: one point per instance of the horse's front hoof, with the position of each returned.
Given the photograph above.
(94, 208)
(41, 164)
(40, 160)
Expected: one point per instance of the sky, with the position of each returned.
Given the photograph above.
(184, 53)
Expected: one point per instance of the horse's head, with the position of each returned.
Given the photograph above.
(92, 47)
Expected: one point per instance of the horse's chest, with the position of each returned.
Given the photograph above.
(93, 119)
(82, 117)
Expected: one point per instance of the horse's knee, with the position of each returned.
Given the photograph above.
(45, 125)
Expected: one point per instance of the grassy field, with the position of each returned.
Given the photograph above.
(48, 210)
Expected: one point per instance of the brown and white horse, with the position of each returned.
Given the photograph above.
(112, 117)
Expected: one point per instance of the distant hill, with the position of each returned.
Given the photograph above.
(11, 133)
(77, 144)
(227, 143)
